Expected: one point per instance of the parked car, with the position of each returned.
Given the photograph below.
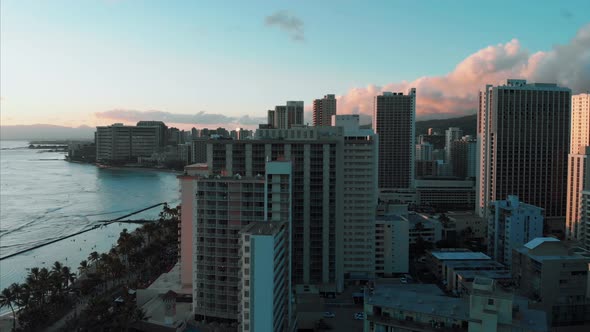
(359, 316)
(329, 314)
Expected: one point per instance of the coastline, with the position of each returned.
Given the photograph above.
(123, 167)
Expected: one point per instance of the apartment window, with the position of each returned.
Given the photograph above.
(490, 301)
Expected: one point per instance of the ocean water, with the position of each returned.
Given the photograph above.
(44, 197)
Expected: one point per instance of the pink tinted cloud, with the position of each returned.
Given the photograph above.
(455, 94)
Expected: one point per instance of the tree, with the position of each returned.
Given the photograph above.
(83, 268)
(8, 297)
(67, 275)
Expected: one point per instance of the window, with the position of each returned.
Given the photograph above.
(490, 301)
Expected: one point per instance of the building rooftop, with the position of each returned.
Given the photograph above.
(422, 298)
(474, 264)
(537, 241)
(461, 255)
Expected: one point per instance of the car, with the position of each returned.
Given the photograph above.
(404, 280)
(359, 316)
(329, 314)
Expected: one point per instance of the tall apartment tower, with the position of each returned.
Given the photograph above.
(463, 157)
(317, 204)
(523, 133)
(452, 134)
(511, 224)
(284, 117)
(578, 176)
(264, 277)
(394, 121)
(222, 207)
(360, 197)
(323, 109)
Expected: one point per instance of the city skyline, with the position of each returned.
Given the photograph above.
(98, 86)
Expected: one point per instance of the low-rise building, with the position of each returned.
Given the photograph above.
(424, 307)
(427, 228)
(391, 245)
(553, 275)
(511, 224)
(458, 275)
(436, 259)
(446, 193)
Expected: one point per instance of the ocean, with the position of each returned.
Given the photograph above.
(43, 197)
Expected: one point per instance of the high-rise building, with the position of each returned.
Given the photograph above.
(360, 197)
(578, 177)
(271, 118)
(452, 134)
(554, 276)
(264, 277)
(463, 157)
(323, 109)
(119, 143)
(285, 117)
(437, 141)
(317, 204)
(394, 121)
(584, 224)
(188, 189)
(511, 224)
(580, 122)
(523, 133)
(223, 206)
(162, 129)
(424, 151)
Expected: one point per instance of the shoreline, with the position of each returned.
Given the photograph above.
(132, 168)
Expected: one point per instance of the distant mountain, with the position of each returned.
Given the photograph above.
(45, 132)
(467, 123)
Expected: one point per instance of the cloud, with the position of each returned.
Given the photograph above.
(287, 22)
(456, 93)
(200, 118)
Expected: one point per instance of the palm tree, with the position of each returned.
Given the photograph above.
(83, 268)
(7, 299)
(93, 257)
(68, 276)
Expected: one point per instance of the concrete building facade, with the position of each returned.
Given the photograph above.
(317, 204)
(578, 178)
(323, 110)
(452, 134)
(523, 133)
(360, 197)
(511, 224)
(391, 245)
(394, 120)
(555, 278)
(265, 292)
(119, 143)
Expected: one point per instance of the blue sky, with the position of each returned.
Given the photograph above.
(64, 61)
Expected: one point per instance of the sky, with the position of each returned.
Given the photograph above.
(225, 63)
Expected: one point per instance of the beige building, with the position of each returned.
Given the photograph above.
(555, 277)
(360, 197)
(323, 110)
(577, 177)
